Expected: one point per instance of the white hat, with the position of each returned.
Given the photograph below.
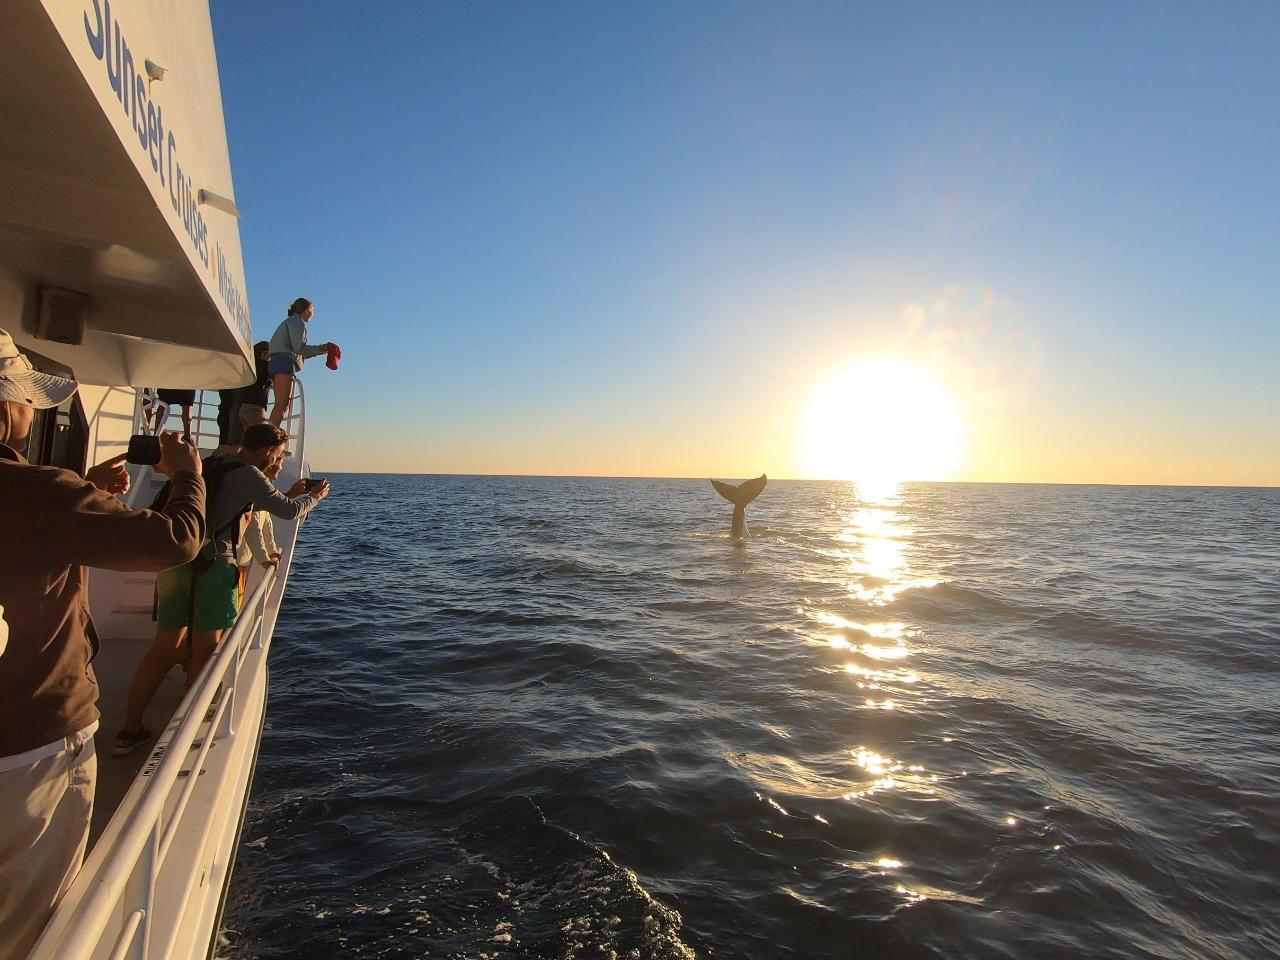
(22, 383)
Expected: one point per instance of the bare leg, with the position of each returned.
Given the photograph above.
(150, 672)
(244, 580)
(202, 646)
(282, 387)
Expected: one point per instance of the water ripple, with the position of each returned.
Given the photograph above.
(518, 717)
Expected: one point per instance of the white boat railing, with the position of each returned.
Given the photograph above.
(119, 882)
(126, 882)
(204, 418)
(295, 424)
(204, 433)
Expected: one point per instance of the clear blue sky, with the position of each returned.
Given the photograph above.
(632, 238)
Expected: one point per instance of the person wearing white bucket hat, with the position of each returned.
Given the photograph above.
(54, 523)
(23, 384)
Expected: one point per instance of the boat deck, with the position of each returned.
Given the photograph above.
(166, 818)
(114, 668)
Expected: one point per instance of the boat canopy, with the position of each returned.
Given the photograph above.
(119, 239)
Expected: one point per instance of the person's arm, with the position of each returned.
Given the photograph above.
(70, 520)
(253, 538)
(110, 475)
(269, 544)
(243, 556)
(306, 351)
(78, 523)
(253, 486)
(297, 329)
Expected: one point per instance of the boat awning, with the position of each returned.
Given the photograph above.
(115, 185)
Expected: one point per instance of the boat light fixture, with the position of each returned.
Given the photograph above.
(218, 202)
(154, 72)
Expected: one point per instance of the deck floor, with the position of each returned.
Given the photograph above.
(114, 667)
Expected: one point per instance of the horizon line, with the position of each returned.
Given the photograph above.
(1006, 483)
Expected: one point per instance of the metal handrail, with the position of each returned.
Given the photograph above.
(98, 907)
(201, 421)
(159, 414)
(128, 934)
(297, 411)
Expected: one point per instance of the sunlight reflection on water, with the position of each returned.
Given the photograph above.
(1089, 685)
(876, 540)
(880, 538)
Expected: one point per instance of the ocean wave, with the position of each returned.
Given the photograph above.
(570, 718)
(950, 600)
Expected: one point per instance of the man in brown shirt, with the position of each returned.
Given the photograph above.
(52, 525)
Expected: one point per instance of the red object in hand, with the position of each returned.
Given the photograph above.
(335, 354)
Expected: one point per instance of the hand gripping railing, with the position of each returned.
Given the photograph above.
(132, 864)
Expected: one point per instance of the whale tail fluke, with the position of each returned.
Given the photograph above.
(742, 493)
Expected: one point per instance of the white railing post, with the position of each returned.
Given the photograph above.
(139, 850)
(300, 434)
(260, 615)
(139, 898)
(139, 417)
(199, 419)
(158, 420)
(128, 934)
(227, 725)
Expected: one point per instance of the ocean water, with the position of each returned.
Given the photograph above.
(570, 718)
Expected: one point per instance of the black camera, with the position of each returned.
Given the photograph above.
(314, 483)
(143, 449)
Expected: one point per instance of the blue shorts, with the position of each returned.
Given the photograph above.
(281, 363)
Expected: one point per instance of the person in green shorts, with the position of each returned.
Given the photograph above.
(203, 597)
(214, 602)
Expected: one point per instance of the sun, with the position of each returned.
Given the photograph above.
(882, 422)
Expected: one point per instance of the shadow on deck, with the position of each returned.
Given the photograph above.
(114, 668)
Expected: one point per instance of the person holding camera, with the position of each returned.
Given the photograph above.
(55, 523)
(204, 596)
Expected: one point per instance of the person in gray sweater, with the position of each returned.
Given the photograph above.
(204, 596)
(289, 349)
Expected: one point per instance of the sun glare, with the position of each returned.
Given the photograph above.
(881, 422)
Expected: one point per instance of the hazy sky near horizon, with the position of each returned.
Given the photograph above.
(635, 239)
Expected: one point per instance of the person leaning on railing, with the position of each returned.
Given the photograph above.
(259, 540)
(53, 524)
(204, 596)
(289, 349)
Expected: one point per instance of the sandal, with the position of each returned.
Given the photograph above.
(129, 740)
